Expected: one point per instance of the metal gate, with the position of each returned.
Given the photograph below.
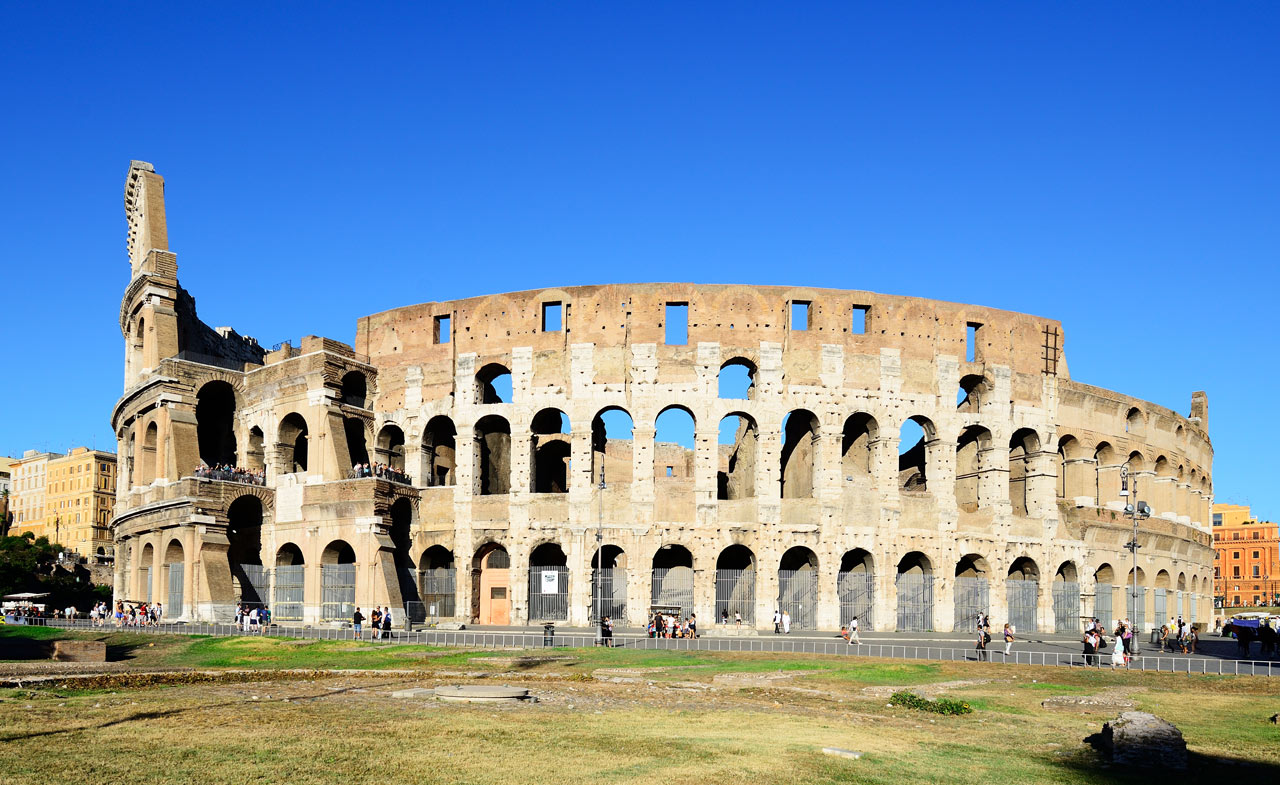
(287, 599)
(673, 586)
(1066, 607)
(1190, 602)
(1162, 606)
(736, 594)
(254, 581)
(973, 596)
(146, 583)
(548, 593)
(175, 589)
(1022, 597)
(857, 598)
(337, 591)
(915, 602)
(1138, 616)
(1102, 607)
(609, 593)
(439, 591)
(798, 596)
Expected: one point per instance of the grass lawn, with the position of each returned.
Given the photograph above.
(645, 716)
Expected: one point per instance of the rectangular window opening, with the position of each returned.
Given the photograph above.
(799, 315)
(442, 329)
(552, 314)
(971, 352)
(677, 324)
(671, 470)
(859, 326)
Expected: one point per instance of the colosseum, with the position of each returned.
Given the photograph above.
(727, 450)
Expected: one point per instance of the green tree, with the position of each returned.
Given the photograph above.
(24, 560)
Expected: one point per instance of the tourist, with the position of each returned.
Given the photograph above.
(737, 619)
(1008, 638)
(357, 622)
(853, 631)
(1090, 645)
(786, 622)
(375, 622)
(1193, 637)
(984, 638)
(724, 617)
(693, 625)
(1119, 658)
(777, 622)
(386, 623)
(1165, 644)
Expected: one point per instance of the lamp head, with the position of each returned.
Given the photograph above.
(1144, 509)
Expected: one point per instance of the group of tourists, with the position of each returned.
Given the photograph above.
(737, 618)
(666, 625)
(252, 619)
(1179, 634)
(781, 622)
(381, 471)
(379, 623)
(228, 473)
(982, 623)
(130, 615)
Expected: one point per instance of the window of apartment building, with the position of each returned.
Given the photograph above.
(1235, 571)
(1216, 537)
(1255, 555)
(1235, 535)
(1257, 572)
(1255, 535)
(1217, 519)
(1215, 573)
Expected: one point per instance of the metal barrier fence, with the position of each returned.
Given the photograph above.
(1160, 605)
(1066, 606)
(1022, 598)
(145, 572)
(768, 645)
(915, 602)
(288, 596)
(736, 596)
(608, 593)
(1138, 599)
(337, 591)
(857, 591)
(255, 583)
(1102, 603)
(798, 596)
(673, 586)
(438, 589)
(175, 586)
(548, 593)
(973, 596)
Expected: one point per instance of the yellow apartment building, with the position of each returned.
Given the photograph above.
(27, 498)
(80, 492)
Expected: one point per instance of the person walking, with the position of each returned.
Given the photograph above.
(853, 631)
(1090, 646)
(1008, 638)
(375, 623)
(777, 622)
(786, 622)
(357, 623)
(983, 638)
(1118, 658)
(386, 623)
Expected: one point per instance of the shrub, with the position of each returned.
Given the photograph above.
(941, 706)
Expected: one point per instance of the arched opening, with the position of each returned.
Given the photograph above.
(739, 449)
(1023, 449)
(915, 593)
(175, 575)
(490, 585)
(1066, 599)
(292, 442)
(799, 452)
(548, 583)
(1182, 603)
(215, 424)
(1134, 422)
(130, 478)
(1075, 475)
(357, 447)
(1104, 459)
(1160, 596)
(1022, 594)
(439, 445)
(672, 579)
(244, 551)
(915, 437)
(401, 529)
(493, 456)
(390, 451)
(493, 384)
(355, 389)
(609, 583)
(256, 456)
(438, 583)
(798, 587)
(972, 592)
(971, 393)
(146, 587)
(612, 447)
(736, 586)
(150, 441)
(550, 435)
(1104, 591)
(973, 460)
(737, 379)
(337, 581)
(673, 451)
(856, 585)
(290, 583)
(1136, 600)
(861, 432)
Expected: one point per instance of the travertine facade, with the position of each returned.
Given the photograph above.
(1010, 502)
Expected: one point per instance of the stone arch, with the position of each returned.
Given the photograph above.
(292, 443)
(737, 477)
(173, 577)
(973, 461)
(549, 442)
(256, 453)
(857, 445)
(798, 586)
(338, 552)
(1024, 448)
(1022, 594)
(973, 390)
(673, 424)
(356, 431)
(439, 447)
(150, 449)
(492, 382)
(1076, 476)
(855, 588)
(244, 549)
(736, 585)
(798, 460)
(289, 555)
(490, 584)
(915, 592)
(1135, 422)
(493, 456)
(548, 582)
(215, 424)
(672, 578)
(389, 446)
(612, 453)
(914, 461)
(737, 375)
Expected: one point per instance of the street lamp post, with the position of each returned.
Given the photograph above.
(599, 556)
(1137, 511)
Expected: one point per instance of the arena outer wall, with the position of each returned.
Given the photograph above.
(1010, 503)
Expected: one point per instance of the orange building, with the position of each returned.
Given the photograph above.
(1246, 559)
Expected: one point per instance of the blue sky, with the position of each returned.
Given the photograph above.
(1114, 168)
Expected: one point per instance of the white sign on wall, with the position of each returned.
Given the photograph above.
(550, 582)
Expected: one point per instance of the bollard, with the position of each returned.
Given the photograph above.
(548, 635)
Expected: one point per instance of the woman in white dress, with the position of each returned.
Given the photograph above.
(1117, 657)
